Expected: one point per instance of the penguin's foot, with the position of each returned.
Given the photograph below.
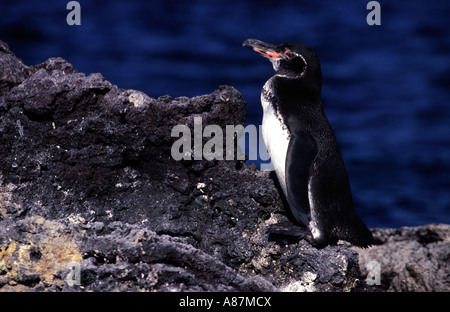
(320, 243)
(286, 233)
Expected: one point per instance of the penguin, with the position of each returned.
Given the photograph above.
(303, 147)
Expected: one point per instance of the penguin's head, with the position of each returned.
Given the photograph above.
(290, 60)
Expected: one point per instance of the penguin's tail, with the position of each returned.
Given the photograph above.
(356, 233)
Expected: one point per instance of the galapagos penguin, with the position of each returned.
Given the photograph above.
(303, 147)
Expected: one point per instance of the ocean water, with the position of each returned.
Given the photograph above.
(386, 88)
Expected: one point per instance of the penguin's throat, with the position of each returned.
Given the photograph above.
(269, 96)
(270, 104)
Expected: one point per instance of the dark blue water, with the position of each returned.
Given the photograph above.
(386, 88)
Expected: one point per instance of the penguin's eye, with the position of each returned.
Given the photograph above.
(289, 54)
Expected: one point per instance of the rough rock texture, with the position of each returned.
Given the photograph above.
(410, 259)
(91, 198)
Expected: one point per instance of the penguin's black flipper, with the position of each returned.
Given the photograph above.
(301, 152)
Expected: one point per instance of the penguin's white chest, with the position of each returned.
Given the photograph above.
(276, 138)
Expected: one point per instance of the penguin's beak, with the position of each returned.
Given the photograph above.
(267, 50)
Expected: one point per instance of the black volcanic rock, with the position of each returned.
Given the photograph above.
(411, 258)
(88, 186)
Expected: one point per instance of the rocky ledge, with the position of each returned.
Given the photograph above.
(92, 200)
